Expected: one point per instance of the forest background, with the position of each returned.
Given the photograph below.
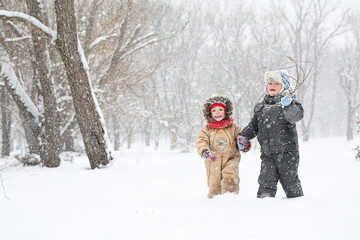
(97, 76)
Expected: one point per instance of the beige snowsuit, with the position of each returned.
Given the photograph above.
(223, 174)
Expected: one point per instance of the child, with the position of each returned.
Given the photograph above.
(274, 125)
(216, 143)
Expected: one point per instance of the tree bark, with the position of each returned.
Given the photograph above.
(67, 137)
(50, 127)
(29, 121)
(87, 111)
(5, 122)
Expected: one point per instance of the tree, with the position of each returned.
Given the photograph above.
(309, 38)
(178, 81)
(12, 56)
(349, 74)
(49, 123)
(28, 111)
(239, 59)
(5, 121)
(89, 116)
(122, 53)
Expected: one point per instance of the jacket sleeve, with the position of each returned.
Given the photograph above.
(294, 112)
(203, 141)
(251, 130)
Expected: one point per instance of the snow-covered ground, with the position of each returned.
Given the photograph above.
(147, 194)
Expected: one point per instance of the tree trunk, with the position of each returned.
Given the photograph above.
(24, 103)
(28, 119)
(87, 110)
(147, 132)
(5, 122)
(305, 132)
(173, 141)
(67, 138)
(116, 130)
(68, 143)
(349, 122)
(129, 137)
(50, 128)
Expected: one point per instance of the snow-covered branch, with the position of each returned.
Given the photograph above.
(101, 39)
(8, 72)
(17, 39)
(29, 19)
(68, 124)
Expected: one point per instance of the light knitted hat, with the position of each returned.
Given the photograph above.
(280, 76)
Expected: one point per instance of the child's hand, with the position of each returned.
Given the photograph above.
(209, 155)
(243, 142)
(286, 101)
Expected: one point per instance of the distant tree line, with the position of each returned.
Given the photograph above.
(114, 72)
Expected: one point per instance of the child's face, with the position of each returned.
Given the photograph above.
(218, 113)
(273, 88)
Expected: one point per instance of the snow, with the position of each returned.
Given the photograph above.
(148, 194)
(8, 71)
(32, 20)
(17, 39)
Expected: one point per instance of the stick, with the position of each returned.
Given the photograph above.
(299, 79)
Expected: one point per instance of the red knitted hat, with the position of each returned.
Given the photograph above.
(218, 105)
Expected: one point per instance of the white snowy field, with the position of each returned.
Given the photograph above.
(147, 194)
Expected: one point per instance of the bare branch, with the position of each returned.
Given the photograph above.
(35, 23)
(300, 77)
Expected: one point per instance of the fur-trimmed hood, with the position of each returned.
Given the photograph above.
(217, 98)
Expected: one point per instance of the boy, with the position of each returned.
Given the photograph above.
(274, 125)
(216, 143)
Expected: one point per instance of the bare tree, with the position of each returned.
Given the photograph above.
(49, 149)
(309, 39)
(178, 81)
(89, 116)
(240, 59)
(16, 87)
(349, 74)
(125, 43)
(50, 131)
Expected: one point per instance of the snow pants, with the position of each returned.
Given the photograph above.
(222, 175)
(283, 167)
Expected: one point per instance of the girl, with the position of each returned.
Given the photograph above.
(216, 143)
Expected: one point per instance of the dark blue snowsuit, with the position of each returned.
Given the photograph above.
(275, 128)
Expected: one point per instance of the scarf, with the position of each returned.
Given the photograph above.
(221, 124)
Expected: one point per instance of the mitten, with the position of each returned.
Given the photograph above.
(286, 101)
(242, 142)
(209, 155)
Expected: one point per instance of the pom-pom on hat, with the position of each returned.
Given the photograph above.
(280, 76)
